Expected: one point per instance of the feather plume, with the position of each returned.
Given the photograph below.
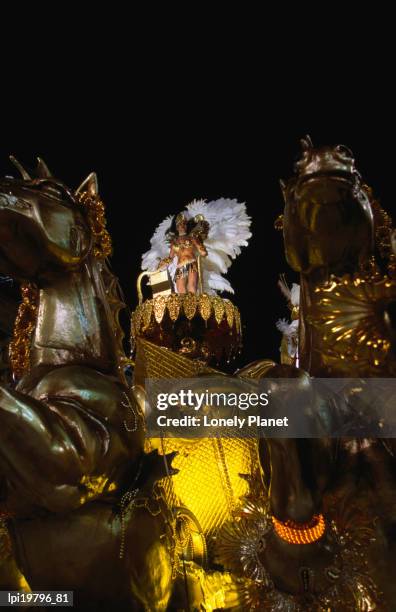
(295, 295)
(289, 329)
(159, 246)
(229, 230)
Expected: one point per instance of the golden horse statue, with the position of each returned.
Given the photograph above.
(75, 479)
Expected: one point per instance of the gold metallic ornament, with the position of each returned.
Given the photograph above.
(147, 311)
(159, 305)
(229, 310)
(205, 306)
(384, 236)
(212, 590)
(209, 481)
(153, 361)
(189, 301)
(242, 539)
(174, 306)
(191, 542)
(94, 486)
(136, 321)
(180, 218)
(95, 214)
(348, 315)
(219, 309)
(172, 320)
(25, 322)
(189, 304)
(238, 325)
(244, 543)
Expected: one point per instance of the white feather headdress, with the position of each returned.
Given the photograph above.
(229, 230)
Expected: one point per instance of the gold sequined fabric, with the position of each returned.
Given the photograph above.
(208, 482)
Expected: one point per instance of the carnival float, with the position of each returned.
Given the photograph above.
(94, 504)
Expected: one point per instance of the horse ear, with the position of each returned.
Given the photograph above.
(90, 184)
(42, 170)
(306, 143)
(25, 175)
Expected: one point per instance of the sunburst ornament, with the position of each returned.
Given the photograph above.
(240, 542)
(349, 316)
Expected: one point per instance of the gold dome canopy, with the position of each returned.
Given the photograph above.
(200, 326)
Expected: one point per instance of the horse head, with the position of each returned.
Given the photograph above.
(328, 220)
(43, 229)
(54, 241)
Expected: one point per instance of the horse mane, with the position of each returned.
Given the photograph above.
(383, 230)
(108, 287)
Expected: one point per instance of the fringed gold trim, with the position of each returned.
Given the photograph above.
(25, 323)
(95, 214)
(189, 304)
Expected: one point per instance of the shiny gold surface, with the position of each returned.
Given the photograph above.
(190, 540)
(335, 228)
(206, 327)
(249, 548)
(384, 233)
(208, 482)
(94, 486)
(348, 314)
(95, 214)
(153, 361)
(211, 591)
(25, 322)
(331, 228)
(71, 432)
(188, 304)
